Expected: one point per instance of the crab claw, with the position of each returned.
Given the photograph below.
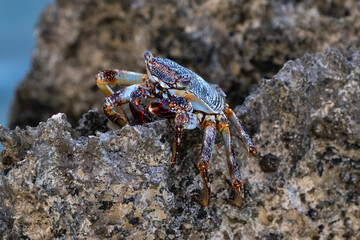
(140, 112)
(162, 108)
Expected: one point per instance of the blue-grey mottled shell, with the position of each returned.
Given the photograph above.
(214, 98)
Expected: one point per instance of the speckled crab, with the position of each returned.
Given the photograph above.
(182, 95)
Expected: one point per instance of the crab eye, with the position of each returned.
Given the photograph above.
(148, 56)
(183, 82)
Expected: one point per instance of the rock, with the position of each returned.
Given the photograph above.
(232, 43)
(62, 182)
(91, 122)
(105, 185)
(307, 123)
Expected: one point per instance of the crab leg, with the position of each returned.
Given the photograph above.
(206, 152)
(114, 77)
(243, 135)
(117, 115)
(234, 170)
(180, 121)
(183, 120)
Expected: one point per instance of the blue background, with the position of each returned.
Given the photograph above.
(18, 19)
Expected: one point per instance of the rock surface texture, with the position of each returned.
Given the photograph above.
(231, 43)
(62, 182)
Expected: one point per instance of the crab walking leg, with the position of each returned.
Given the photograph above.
(117, 77)
(180, 121)
(252, 149)
(117, 99)
(234, 170)
(183, 120)
(209, 126)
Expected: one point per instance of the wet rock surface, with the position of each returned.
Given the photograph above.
(231, 43)
(57, 181)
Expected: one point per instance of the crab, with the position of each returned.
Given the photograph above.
(180, 94)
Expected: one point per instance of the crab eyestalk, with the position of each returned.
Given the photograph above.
(147, 56)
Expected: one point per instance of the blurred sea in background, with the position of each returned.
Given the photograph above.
(18, 19)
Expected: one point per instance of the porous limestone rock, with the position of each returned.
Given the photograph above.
(62, 182)
(307, 124)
